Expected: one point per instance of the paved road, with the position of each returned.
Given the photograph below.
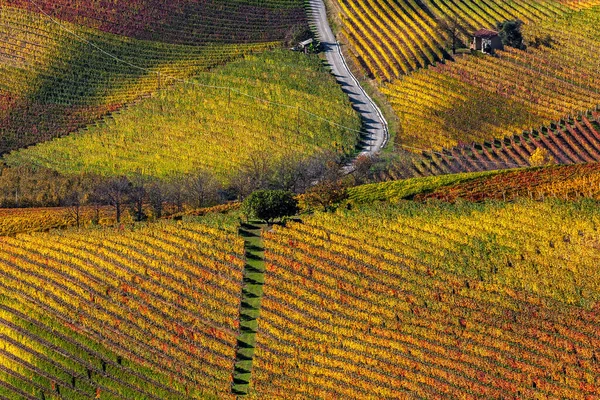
(374, 124)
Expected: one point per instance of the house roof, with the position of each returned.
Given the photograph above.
(485, 34)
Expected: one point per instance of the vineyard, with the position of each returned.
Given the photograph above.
(478, 276)
(164, 297)
(570, 141)
(215, 122)
(477, 98)
(23, 220)
(441, 301)
(390, 39)
(58, 76)
(182, 21)
(568, 182)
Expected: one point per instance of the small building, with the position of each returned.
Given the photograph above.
(486, 41)
(303, 46)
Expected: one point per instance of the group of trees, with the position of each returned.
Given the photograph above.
(142, 195)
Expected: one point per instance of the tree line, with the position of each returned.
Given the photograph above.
(40, 187)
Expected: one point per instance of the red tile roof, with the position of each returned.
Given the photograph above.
(485, 33)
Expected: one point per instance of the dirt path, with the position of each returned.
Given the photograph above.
(374, 123)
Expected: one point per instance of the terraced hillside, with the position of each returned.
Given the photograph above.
(439, 301)
(271, 104)
(58, 76)
(147, 313)
(392, 38)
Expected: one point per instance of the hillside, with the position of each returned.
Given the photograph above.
(390, 39)
(567, 182)
(432, 301)
(59, 76)
(206, 240)
(164, 298)
(273, 103)
(181, 21)
(492, 97)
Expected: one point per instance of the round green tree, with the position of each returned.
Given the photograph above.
(268, 205)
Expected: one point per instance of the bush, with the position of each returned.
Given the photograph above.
(268, 205)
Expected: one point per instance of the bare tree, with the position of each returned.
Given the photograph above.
(115, 192)
(157, 195)
(362, 169)
(451, 29)
(137, 196)
(253, 175)
(174, 191)
(201, 189)
(74, 201)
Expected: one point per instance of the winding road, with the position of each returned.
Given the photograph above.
(375, 130)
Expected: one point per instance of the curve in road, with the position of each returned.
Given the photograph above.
(374, 124)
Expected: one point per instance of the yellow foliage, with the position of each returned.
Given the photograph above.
(541, 158)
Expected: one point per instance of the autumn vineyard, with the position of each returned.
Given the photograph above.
(280, 199)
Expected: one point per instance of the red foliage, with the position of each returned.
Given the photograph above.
(177, 21)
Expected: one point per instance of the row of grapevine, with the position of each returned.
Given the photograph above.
(394, 38)
(166, 297)
(192, 126)
(22, 220)
(478, 97)
(42, 357)
(179, 22)
(564, 182)
(496, 301)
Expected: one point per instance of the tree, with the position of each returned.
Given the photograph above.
(253, 175)
(137, 196)
(157, 195)
(174, 191)
(268, 205)
(452, 29)
(115, 192)
(200, 189)
(362, 169)
(74, 202)
(541, 158)
(510, 34)
(326, 194)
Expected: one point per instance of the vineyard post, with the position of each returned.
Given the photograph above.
(298, 121)
(229, 97)
(158, 74)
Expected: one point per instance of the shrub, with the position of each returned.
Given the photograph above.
(540, 158)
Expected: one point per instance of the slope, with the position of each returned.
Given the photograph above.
(60, 76)
(436, 301)
(271, 105)
(165, 297)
